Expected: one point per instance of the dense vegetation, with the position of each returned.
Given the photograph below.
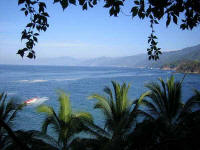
(189, 67)
(184, 66)
(177, 57)
(157, 120)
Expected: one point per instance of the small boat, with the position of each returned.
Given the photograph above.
(30, 101)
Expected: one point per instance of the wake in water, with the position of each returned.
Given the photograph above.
(40, 80)
(36, 101)
(32, 81)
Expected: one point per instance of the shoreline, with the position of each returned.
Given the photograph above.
(178, 71)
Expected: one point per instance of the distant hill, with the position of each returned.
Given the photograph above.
(140, 60)
(179, 56)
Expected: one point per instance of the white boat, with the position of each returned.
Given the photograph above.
(30, 101)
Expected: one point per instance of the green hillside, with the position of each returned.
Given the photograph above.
(177, 57)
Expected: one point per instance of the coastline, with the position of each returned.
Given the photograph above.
(178, 71)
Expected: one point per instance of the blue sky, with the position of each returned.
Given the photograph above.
(87, 34)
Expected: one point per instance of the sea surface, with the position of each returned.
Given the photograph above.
(24, 82)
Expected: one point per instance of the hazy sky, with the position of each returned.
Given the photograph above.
(90, 33)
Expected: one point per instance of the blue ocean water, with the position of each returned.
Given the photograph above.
(24, 82)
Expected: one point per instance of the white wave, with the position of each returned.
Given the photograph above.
(32, 81)
(36, 81)
(68, 79)
(39, 80)
(23, 81)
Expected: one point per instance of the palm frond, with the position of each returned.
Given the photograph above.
(118, 99)
(16, 110)
(134, 112)
(151, 107)
(48, 120)
(102, 104)
(124, 93)
(83, 116)
(156, 96)
(191, 102)
(164, 94)
(145, 114)
(97, 131)
(65, 107)
(45, 109)
(109, 92)
(3, 97)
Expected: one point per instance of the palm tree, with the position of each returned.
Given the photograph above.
(164, 101)
(66, 123)
(8, 112)
(118, 110)
(167, 115)
(8, 109)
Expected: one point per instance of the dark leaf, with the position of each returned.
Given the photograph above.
(41, 8)
(25, 49)
(111, 11)
(42, 4)
(72, 2)
(137, 2)
(119, 3)
(85, 6)
(26, 12)
(168, 20)
(64, 4)
(35, 39)
(149, 52)
(38, 28)
(22, 9)
(94, 2)
(55, 1)
(81, 2)
(90, 5)
(107, 5)
(43, 28)
(175, 19)
(36, 34)
(29, 25)
(21, 2)
(45, 14)
(183, 26)
(150, 57)
(33, 2)
(21, 53)
(156, 22)
(30, 55)
(134, 11)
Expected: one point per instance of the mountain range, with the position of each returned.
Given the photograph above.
(140, 60)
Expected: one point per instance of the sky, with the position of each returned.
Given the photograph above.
(87, 34)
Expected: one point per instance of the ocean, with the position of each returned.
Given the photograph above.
(24, 82)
